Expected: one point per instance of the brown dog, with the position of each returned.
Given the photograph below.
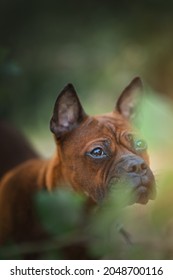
(92, 153)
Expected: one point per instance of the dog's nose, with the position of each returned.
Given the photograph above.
(136, 165)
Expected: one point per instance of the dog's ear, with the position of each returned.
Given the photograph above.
(68, 112)
(129, 99)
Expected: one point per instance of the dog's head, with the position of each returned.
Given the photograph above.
(97, 152)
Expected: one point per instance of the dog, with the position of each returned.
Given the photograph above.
(92, 153)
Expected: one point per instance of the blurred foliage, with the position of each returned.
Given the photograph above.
(60, 212)
(108, 231)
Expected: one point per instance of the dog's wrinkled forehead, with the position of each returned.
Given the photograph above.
(114, 122)
(111, 125)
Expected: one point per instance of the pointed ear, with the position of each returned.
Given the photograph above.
(68, 112)
(129, 99)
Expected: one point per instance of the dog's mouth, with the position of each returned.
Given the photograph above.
(143, 194)
(134, 177)
(137, 189)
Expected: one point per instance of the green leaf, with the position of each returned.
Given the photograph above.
(60, 211)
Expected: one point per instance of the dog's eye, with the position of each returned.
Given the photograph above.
(97, 153)
(140, 145)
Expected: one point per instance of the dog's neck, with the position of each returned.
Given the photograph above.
(51, 175)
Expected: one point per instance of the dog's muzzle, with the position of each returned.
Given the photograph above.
(136, 174)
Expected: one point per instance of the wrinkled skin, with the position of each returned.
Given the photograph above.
(121, 161)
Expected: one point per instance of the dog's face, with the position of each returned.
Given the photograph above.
(100, 151)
